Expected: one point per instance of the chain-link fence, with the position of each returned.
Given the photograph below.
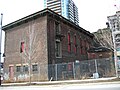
(82, 69)
(64, 71)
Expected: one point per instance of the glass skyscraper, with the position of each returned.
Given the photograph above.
(66, 8)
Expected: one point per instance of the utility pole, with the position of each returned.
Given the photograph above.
(0, 44)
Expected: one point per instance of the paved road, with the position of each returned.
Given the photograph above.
(66, 87)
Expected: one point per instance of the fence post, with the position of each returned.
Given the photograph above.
(74, 70)
(39, 72)
(96, 68)
(56, 72)
(96, 75)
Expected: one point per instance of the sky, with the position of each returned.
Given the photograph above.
(92, 13)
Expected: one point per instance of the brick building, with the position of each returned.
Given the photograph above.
(41, 39)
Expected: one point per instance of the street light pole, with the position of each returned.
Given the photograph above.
(0, 44)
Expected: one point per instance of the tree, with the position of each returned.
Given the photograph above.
(31, 44)
(104, 37)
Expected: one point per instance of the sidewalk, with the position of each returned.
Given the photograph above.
(99, 80)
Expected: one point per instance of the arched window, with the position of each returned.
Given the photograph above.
(22, 47)
(80, 45)
(69, 42)
(75, 44)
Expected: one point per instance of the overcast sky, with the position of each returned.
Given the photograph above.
(92, 13)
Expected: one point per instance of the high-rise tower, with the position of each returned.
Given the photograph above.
(66, 8)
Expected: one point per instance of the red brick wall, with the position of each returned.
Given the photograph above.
(65, 29)
(39, 52)
(43, 44)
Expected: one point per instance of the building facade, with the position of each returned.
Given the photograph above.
(42, 39)
(66, 8)
(114, 22)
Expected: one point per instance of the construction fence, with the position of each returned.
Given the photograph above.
(82, 69)
(77, 70)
